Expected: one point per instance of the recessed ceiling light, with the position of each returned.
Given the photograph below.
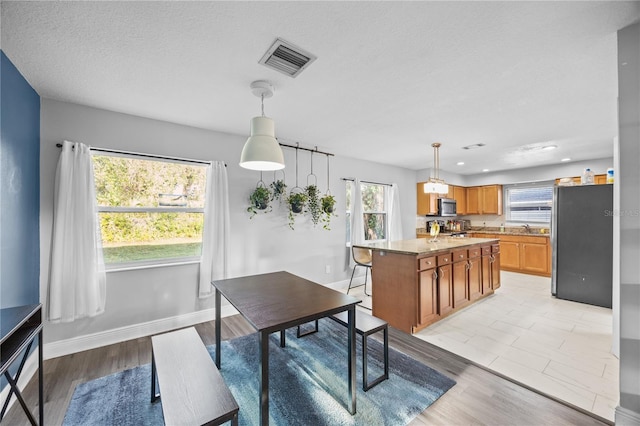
(549, 147)
(460, 163)
(474, 146)
(485, 170)
(565, 159)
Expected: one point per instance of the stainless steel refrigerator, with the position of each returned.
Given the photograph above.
(582, 244)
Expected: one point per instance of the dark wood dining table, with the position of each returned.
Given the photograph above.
(277, 301)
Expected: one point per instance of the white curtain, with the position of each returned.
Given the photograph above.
(215, 236)
(357, 220)
(77, 285)
(395, 216)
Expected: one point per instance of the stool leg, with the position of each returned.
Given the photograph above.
(351, 280)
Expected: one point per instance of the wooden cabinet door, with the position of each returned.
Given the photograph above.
(460, 195)
(473, 200)
(534, 257)
(445, 293)
(428, 296)
(427, 203)
(486, 273)
(495, 271)
(460, 283)
(475, 278)
(600, 179)
(491, 200)
(510, 254)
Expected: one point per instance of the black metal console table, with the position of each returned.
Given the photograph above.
(19, 327)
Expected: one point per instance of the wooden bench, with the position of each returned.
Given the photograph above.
(365, 326)
(192, 389)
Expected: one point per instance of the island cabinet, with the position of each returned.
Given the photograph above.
(460, 268)
(417, 282)
(428, 290)
(495, 266)
(445, 285)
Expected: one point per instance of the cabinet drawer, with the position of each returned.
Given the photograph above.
(486, 250)
(495, 248)
(459, 255)
(427, 263)
(444, 259)
(474, 252)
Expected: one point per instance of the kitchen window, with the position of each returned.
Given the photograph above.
(374, 210)
(529, 203)
(151, 211)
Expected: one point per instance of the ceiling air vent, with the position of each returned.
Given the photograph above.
(287, 58)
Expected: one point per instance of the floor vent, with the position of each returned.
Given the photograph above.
(287, 58)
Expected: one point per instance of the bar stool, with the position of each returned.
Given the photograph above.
(362, 257)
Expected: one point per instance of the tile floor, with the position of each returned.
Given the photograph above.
(558, 347)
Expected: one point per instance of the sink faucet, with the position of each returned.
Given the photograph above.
(527, 228)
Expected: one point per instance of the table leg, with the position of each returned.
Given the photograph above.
(218, 328)
(264, 378)
(351, 349)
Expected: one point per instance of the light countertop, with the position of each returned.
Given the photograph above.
(424, 246)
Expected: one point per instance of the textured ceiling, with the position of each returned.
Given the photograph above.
(390, 79)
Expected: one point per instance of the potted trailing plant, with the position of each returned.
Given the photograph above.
(296, 202)
(313, 203)
(278, 190)
(328, 203)
(259, 200)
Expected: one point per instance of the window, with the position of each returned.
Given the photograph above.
(373, 210)
(529, 202)
(150, 210)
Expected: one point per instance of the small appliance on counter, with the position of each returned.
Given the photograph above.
(430, 223)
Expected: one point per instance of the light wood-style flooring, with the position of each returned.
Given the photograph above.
(479, 397)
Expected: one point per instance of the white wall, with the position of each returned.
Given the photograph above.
(628, 411)
(262, 244)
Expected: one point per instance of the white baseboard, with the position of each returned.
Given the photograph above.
(626, 417)
(30, 368)
(117, 335)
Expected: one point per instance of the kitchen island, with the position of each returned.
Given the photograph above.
(417, 282)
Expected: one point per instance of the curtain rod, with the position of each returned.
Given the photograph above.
(297, 146)
(139, 154)
(368, 181)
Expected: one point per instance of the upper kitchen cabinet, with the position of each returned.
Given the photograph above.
(427, 203)
(597, 180)
(485, 199)
(458, 193)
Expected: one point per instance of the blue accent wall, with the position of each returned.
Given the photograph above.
(19, 188)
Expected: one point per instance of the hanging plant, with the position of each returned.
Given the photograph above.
(259, 200)
(296, 202)
(313, 203)
(313, 196)
(328, 203)
(278, 190)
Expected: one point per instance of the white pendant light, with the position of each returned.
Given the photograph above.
(435, 184)
(262, 151)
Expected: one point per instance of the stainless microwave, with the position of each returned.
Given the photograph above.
(446, 207)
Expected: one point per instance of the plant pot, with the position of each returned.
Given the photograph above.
(296, 208)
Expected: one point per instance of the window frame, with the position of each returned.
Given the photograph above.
(528, 185)
(351, 183)
(157, 262)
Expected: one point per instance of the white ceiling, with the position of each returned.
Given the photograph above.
(390, 79)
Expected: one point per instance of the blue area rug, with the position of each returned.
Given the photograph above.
(307, 385)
